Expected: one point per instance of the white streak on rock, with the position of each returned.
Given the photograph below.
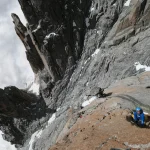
(127, 3)
(139, 66)
(88, 102)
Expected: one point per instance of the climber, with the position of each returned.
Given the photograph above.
(139, 116)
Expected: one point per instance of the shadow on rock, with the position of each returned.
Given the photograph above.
(106, 95)
(99, 92)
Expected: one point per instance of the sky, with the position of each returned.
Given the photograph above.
(14, 67)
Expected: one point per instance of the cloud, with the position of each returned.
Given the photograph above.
(5, 6)
(14, 67)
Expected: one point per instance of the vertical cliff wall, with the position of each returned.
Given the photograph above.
(58, 31)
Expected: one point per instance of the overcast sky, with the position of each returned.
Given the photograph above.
(14, 67)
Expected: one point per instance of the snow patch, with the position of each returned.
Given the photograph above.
(87, 61)
(99, 32)
(71, 79)
(52, 119)
(88, 58)
(87, 22)
(139, 66)
(38, 133)
(96, 52)
(127, 3)
(87, 83)
(34, 136)
(88, 102)
(38, 27)
(74, 24)
(35, 88)
(58, 109)
(92, 8)
(5, 145)
(50, 35)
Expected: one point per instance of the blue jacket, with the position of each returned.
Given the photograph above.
(139, 117)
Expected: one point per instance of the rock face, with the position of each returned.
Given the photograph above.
(104, 129)
(18, 110)
(59, 32)
(104, 124)
(14, 100)
(56, 32)
(31, 53)
(74, 46)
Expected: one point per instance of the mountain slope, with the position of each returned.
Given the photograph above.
(104, 124)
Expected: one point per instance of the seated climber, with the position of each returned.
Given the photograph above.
(139, 117)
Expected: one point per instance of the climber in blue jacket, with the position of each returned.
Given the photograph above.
(139, 116)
